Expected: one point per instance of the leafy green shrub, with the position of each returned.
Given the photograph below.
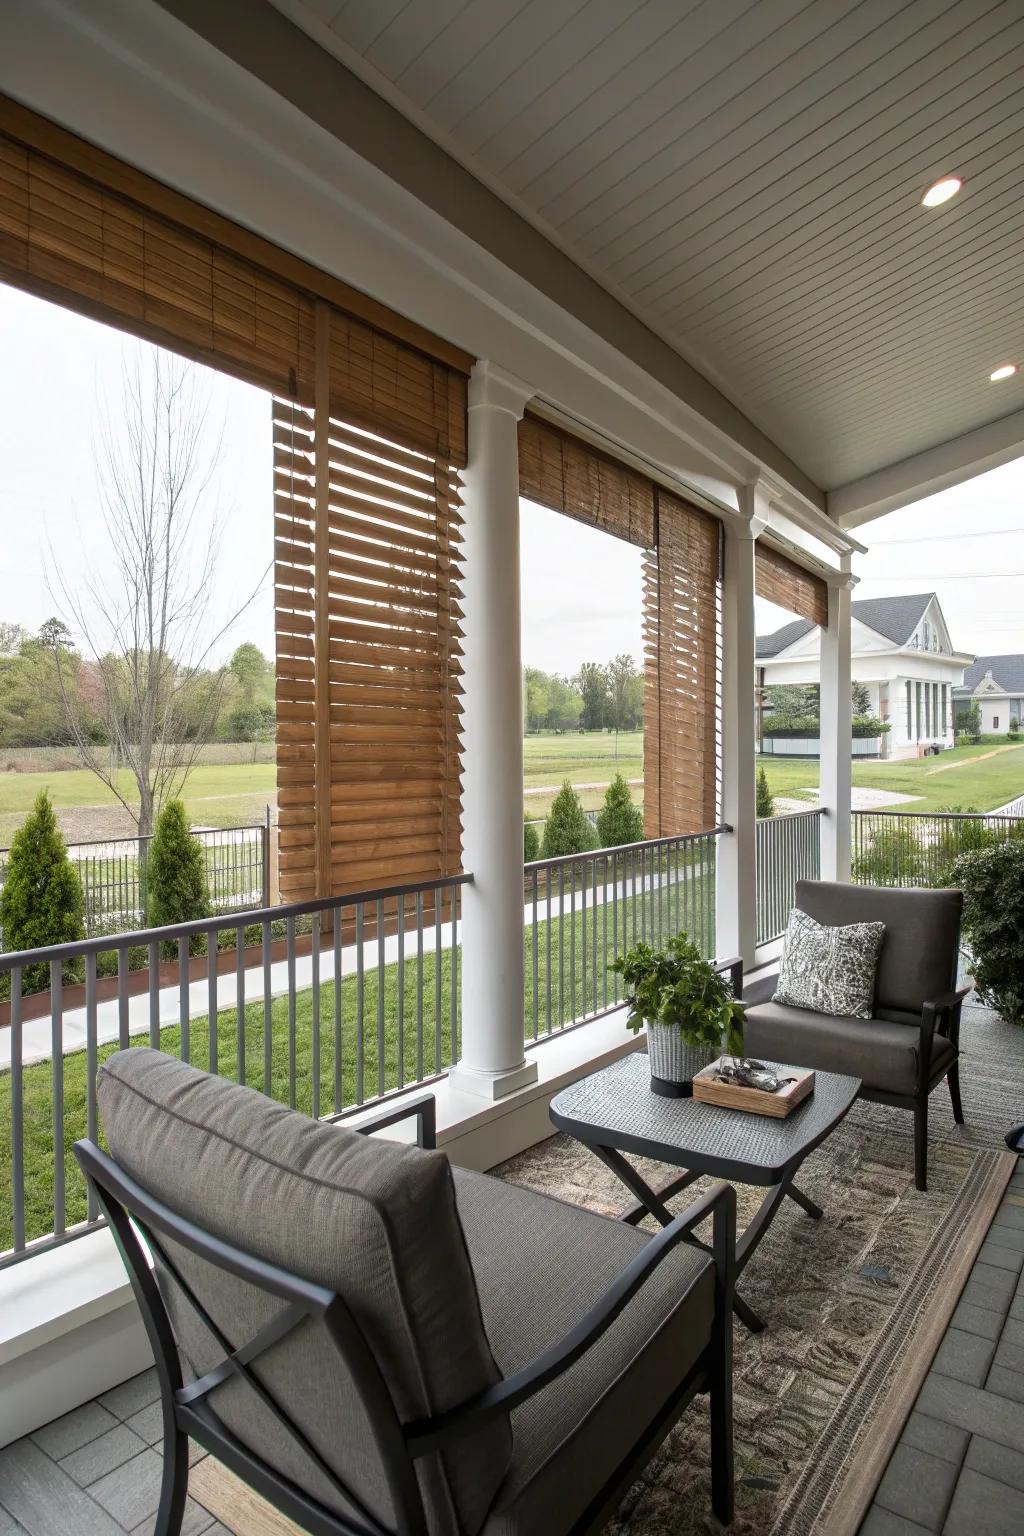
(531, 843)
(892, 855)
(619, 820)
(567, 829)
(42, 901)
(676, 986)
(992, 880)
(176, 890)
(765, 804)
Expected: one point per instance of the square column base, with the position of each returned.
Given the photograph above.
(492, 1085)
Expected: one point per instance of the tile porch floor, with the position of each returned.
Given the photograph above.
(958, 1469)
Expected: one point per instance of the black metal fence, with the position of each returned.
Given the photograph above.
(920, 849)
(324, 1006)
(584, 909)
(788, 849)
(113, 874)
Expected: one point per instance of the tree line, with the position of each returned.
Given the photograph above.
(605, 696)
(47, 688)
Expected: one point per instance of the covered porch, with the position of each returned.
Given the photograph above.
(410, 948)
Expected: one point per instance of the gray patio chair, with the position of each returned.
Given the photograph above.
(913, 1040)
(381, 1345)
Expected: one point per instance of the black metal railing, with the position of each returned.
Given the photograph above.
(583, 910)
(788, 849)
(910, 848)
(322, 1005)
(113, 874)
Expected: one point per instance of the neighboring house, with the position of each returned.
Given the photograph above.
(901, 652)
(997, 684)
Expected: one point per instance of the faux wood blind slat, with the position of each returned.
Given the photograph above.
(682, 624)
(369, 657)
(783, 582)
(567, 474)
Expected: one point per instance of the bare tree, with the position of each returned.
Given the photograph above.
(143, 608)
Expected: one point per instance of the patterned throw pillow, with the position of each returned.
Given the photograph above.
(829, 970)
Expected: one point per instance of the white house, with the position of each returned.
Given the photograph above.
(900, 651)
(997, 684)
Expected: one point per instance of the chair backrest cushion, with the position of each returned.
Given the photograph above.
(922, 936)
(374, 1220)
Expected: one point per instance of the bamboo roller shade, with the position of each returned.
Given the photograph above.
(682, 627)
(789, 585)
(569, 475)
(367, 530)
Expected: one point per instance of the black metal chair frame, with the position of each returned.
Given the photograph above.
(938, 1015)
(187, 1411)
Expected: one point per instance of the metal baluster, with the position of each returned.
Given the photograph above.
(360, 998)
(240, 1001)
(547, 931)
(593, 925)
(536, 965)
(453, 896)
(583, 941)
(154, 995)
(572, 941)
(268, 1015)
(315, 1021)
(290, 946)
(183, 1000)
(561, 945)
(381, 1045)
(211, 998)
(437, 979)
(17, 1114)
(338, 1017)
(400, 1001)
(419, 986)
(615, 918)
(57, 1055)
(122, 997)
(91, 1065)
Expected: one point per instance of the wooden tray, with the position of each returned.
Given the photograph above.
(755, 1100)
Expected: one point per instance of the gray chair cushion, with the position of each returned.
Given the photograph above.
(539, 1266)
(883, 1054)
(372, 1219)
(922, 936)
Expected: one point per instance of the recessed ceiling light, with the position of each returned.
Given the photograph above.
(942, 191)
(1004, 371)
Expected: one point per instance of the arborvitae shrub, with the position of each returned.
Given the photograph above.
(42, 901)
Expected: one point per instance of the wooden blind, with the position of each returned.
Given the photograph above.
(682, 627)
(567, 474)
(368, 562)
(71, 241)
(789, 585)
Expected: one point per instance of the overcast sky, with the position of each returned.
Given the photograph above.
(581, 588)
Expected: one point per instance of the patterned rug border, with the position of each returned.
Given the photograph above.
(833, 1493)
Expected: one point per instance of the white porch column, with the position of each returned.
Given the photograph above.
(492, 1061)
(836, 730)
(736, 876)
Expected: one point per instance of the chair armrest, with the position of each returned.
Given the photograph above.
(944, 1008)
(423, 1435)
(734, 965)
(423, 1108)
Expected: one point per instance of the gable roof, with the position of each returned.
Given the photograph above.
(895, 618)
(1007, 671)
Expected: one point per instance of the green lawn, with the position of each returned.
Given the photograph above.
(976, 778)
(79, 787)
(564, 992)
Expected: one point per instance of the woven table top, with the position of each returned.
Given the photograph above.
(616, 1108)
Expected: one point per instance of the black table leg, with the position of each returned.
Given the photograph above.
(651, 1202)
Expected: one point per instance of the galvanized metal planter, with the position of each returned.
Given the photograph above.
(673, 1062)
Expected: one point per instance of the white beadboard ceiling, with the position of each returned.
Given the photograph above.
(746, 176)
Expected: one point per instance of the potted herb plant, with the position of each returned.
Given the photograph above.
(688, 1008)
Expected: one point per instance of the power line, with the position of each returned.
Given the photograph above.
(945, 538)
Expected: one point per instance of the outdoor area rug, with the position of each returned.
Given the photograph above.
(856, 1304)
